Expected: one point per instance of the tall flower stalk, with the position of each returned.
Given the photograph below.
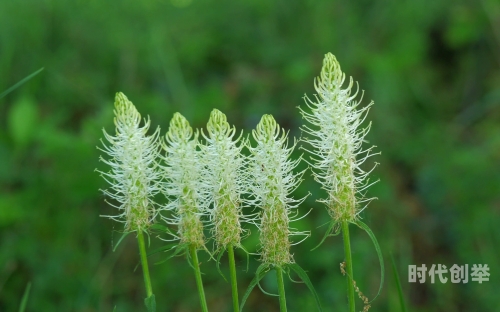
(184, 187)
(336, 138)
(274, 180)
(224, 176)
(134, 177)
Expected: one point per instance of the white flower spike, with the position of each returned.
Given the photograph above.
(183, 182)
(134, 175)
(274, 181)
(224, 175)
(336, 139)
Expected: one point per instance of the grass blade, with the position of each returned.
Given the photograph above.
(20, 83)
(165, 248)
(217, 264)
(379, 254)
(303, 276)
(120, 240)
(398, 283)
(328, 233)
(259, 274)
(24, 301)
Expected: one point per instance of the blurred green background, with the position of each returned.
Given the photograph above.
(432, 68)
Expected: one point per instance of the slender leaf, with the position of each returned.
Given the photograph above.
(162, 228)
(217, 264)
(24, 300)
(398, 283)
(328, 233)
(292, 280)
(159, 227)
(247, 254)
(265, 292)
(259, 274)
(162, 249)
(379, 253)
(120, 240)
(20, 83)
(178, 251)
(303, 276)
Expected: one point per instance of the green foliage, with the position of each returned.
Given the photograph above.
(398, 284)
(150, 303)
(24, 301)
(20, 83)
(379, 255)
(430, 66)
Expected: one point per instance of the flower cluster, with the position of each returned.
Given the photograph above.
(183, 184)
(224, 176)
(134, 177)
(336, 139)
(273, 182)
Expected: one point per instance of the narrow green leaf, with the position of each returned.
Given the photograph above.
(291, 279)
(303, 276)
(259, 274)
(247, 254)
(217, 264)
(328, 233)
(265, 292)
(114, 309)
(398, 283)
(159, 227)
(162, 249)
(150, 303)
(20, 83)
(24, 300)
(178, 251)
(379, 253)
(120, 240)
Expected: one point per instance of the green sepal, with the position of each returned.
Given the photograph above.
(379, 254)
(150, 303)
(303, 276)
(259, 274)
(329, 233)
(120, 240)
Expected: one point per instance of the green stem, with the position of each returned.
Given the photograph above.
(197, 273)
(281, 289)
(234, 284)
(348, 269)
(144, 262)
